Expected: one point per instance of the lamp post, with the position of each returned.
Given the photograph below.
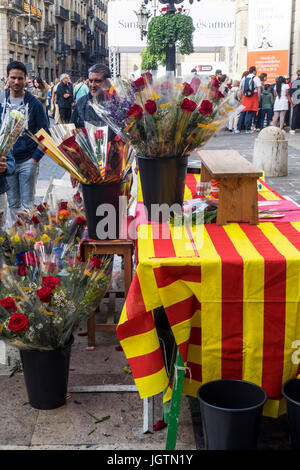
(29, 37)
(144, 16)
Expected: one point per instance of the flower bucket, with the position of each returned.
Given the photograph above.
(291, 392)
(104, 222)
(46, 376)
(163, 182)
(231, 413)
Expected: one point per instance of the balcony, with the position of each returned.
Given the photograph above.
(62, 49)
(75, 17)
(14, 5)
(76, 45)
(13, 36)
(83, 23)
(47, 34)
(101, 25)
(100, 50)
(61, 13)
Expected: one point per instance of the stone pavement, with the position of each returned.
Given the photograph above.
(72, 427)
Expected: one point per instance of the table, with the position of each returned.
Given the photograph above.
(231, 294)
(238, 184)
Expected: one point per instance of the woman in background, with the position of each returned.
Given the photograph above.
(282, 100)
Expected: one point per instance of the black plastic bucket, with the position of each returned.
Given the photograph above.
(163, 182)
(291, 392)
(231, 413)
(96, 195)
(46, 376)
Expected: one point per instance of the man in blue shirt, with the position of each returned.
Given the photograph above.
(22, 184)
(81, 89)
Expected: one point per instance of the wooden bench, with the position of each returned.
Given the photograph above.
(109, 247)
(238, 197)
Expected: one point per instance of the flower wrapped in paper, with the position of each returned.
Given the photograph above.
(43, 308)
(166, 117)
(13, 124)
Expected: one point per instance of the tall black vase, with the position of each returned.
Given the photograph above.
(163, 182)
(46, 376)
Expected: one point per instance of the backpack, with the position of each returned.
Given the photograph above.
(248, 86)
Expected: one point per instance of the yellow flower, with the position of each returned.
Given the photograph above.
(45, 238)
(16, 239)
(1, 328)
(46, 311)
(1, 239)
(164, 105)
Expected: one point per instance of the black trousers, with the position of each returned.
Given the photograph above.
(65, 114)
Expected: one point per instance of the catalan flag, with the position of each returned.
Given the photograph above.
(231, 295)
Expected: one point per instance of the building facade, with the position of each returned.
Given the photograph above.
(53, 36)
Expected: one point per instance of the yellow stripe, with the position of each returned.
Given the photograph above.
(150, 292)
(195, 354)
(140, 345)
(181, 242)
(267, 194)
(174, 293)
(139, 189)
(292, 322)
(182, 331)
(187, 193)
(209, 293)
(145, 243)
(152, 384)
(296, 225)
(253, 305)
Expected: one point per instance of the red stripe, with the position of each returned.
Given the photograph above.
(182, 311)
(192, 241)
(264, 184)
(183, 349)
(274, 310)
(191, 183)
(134, 301)
(137, 326)
(196, 337)
(232, 303)
(162, 241)
(148, 364)
(290, 232)
(166, 275)
(196, 370)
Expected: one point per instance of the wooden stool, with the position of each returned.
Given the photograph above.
(238, 199)
(108, 247)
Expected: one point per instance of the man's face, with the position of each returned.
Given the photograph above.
(66, 80)
(16, 80)
(96, 82)
(219, 75)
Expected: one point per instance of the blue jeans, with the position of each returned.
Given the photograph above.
(249, 119)
(22, 186)
(269, 113)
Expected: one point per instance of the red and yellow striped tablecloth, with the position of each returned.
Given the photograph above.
(231, 295)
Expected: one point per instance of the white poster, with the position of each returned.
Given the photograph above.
(214, 23)
(269, 25)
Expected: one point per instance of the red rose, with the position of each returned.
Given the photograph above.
(187, 89)
(150, 106)
(206, 107)
(220, 95)
(99, 134)
(188, 105)
(135, 111)
(50, 267)
(29, 258)
(51, 281)
(195, 83)
(41, 208)
(80, 221)
(147, 76)
(35, 220)
(9, 304)
(63, 205)
(18, 322)
(77, 197)
(95, 263)
(22, 270)
(45, 294)
(139, 84)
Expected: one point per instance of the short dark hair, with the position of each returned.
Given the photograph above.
(252, 69)
(100, 68)
(298, 73)
(16, 65)
(218, 71)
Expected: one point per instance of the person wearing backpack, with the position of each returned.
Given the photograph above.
(266, 103)
(251, 90)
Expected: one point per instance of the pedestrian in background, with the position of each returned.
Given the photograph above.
(64, 98)
(234, 96)
(295, 98)
(81, 89)
(282, 100)
(22, 184)
(266, 105)
(263, 78)
(251, 90)
(40, 91)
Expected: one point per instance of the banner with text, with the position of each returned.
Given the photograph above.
(214, 23)
(269, 36)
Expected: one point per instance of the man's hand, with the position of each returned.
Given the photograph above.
(3, 164)
(66, 95)
(34, 160)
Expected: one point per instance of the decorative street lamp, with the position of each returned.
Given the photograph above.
(30, 36)
(143, 15)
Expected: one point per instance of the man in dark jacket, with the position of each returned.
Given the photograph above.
(25, 151)
(64, 98)
(99, 75)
